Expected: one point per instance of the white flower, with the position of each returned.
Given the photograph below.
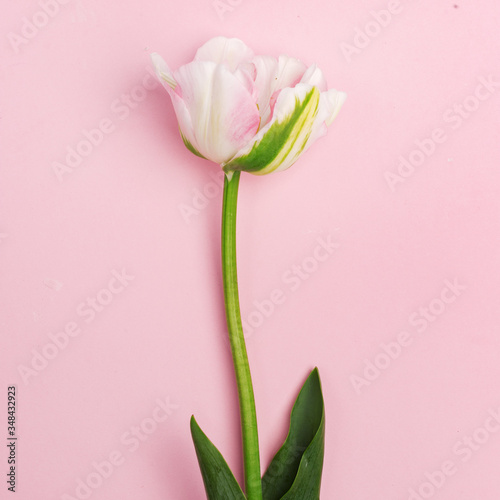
(252, 113)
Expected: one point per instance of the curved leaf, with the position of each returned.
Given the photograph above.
(295, 471)
(220, 483)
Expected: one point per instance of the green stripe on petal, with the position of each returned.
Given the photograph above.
(283, 142)
(190, 146)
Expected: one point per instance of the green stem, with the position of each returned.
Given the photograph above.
(253, 485)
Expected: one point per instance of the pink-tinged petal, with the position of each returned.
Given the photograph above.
(184, 120)
(221, 50)
(314, 76)
(272, 77)
(266, 72)
(247, 79)
(248, 67)
(163, 72)
(272, 104)
(223, 113)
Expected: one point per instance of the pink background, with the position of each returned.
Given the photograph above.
(392, 423)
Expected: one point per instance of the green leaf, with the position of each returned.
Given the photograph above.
(220, 484)
(295, 471)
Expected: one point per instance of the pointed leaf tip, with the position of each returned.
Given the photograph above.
(219, 481)
(296, 469)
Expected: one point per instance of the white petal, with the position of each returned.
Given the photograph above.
(223, 113)
(163, 71)
(265, 78)
(247, 78)
(330, 103)
(272, 76)
(334, 100)
(290, 71)
(184, 120)
(314, 76)
(221, 50)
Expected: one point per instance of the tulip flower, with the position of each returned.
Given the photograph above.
(249, 113)
(255, 114)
